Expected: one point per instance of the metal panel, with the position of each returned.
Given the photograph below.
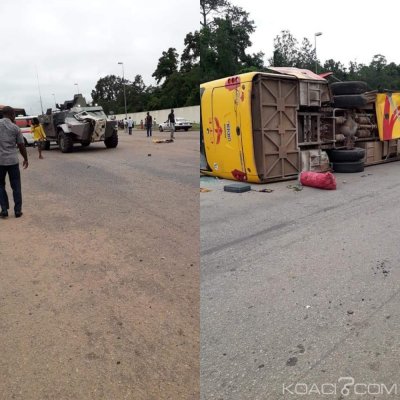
(311, 93)
(274, 110)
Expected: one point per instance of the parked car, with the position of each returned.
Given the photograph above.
(180, 123)
(25, 122)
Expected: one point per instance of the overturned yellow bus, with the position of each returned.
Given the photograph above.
(263, 127)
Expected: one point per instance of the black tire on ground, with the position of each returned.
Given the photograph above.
(160, 128)
(350, 101)
(65, 142)
(112, 141)
(186, 129)
(47, 145)
(85, 144)
(348, 167)
(350, 87)
(346, 155)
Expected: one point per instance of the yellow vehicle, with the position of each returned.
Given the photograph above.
(261, 127)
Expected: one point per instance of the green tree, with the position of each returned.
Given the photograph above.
(108, 92)
(167, 65)
(306, 55)
(286, 51)
(136, 98)
(191, 53)
(209, 6)
(337, 68)
(224, 42)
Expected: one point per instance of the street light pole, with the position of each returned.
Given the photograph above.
(123, 83)
(40, 94)
(55, 103)
(315, 47)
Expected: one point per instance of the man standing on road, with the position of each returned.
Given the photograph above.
(130, 125)
(10, 136)
(149, 124)
(171, 120)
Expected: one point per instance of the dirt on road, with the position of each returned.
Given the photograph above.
(99, 280)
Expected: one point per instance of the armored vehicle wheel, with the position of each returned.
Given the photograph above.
(112, 141)
(85, 144)
(65, 142)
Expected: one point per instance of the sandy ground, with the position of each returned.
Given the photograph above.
(99, 280)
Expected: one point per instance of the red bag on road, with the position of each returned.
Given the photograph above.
(320, 180)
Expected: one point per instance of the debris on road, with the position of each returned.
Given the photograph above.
(319, 180)
(265, 190)
(237, 188)
(204, 190)
(291, 362)
(163, 140)
(381, 267)
(296, 188)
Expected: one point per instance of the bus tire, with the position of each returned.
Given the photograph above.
(346, 155)
(350, 87)
(350, 101)
(348, 167)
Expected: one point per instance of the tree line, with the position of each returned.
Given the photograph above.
(225, 41)
(177, 78)
(220, 48)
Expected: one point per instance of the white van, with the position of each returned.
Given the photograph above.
(25, 122)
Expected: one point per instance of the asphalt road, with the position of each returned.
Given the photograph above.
(302, 287)
(99, 280)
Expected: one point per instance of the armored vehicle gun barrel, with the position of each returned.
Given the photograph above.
(75, 121)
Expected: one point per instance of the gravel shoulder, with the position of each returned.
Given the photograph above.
(99, 280)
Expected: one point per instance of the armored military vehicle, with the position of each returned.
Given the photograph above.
(77, 122)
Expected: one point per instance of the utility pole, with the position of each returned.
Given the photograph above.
(315, 47)
(123, 82)
(40, 94)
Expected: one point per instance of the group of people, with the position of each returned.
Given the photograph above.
(11, 140)
(148, 124)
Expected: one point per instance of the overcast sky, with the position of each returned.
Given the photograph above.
(80, 41)
(352, 30)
